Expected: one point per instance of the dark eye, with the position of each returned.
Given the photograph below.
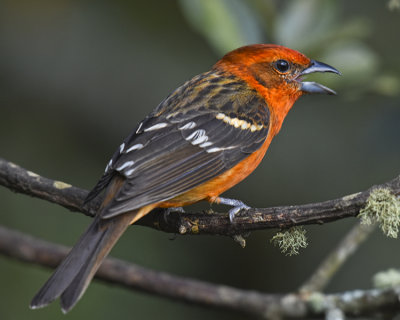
(282, 66)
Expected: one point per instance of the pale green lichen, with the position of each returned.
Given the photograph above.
(382, 207)
(386, 279)
(291, 240)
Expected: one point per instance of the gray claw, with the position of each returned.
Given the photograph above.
(167, 211)
(235, 210)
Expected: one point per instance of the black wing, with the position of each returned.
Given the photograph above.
(185, 142)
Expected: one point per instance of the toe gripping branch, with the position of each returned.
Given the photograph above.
(236, 204)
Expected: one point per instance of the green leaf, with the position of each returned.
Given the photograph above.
(354, 58)
(226, 24)
(304, 23)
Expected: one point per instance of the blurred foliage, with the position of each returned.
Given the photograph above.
(312, 26)
(394, 4)
(218, 22)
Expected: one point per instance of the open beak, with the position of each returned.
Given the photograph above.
(313, 87)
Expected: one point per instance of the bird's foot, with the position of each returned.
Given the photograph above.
(167, 211)
(236, 204)
(177, 209)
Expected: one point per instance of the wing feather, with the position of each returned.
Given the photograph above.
(182, 144)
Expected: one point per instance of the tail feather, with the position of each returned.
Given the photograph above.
(73, 275)
(79, 284)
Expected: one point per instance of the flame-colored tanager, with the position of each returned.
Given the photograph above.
(205, 137)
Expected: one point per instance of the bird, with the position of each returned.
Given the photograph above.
(202, 139)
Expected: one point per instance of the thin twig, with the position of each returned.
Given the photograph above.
(20, 180)
(332, 263)
(32, 250)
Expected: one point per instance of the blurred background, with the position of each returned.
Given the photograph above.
(77, 76)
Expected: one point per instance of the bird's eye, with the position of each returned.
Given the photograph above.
(282, 66)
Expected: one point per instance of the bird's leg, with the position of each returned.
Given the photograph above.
(236, 204)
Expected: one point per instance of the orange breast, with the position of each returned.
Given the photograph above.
(210, 190)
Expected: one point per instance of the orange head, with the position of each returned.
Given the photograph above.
(275, 72)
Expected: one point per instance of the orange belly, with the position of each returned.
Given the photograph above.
(210, 190)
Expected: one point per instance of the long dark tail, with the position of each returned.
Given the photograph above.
(74, 274)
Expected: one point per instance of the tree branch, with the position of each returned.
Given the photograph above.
(21, 180)
(32, 250)
(332, 263)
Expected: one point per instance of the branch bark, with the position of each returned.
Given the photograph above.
(21, 180)
(272, 306)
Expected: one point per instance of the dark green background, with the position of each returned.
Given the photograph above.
(76, 77)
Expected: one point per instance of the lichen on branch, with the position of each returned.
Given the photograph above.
(290, 241)
(383, 207)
